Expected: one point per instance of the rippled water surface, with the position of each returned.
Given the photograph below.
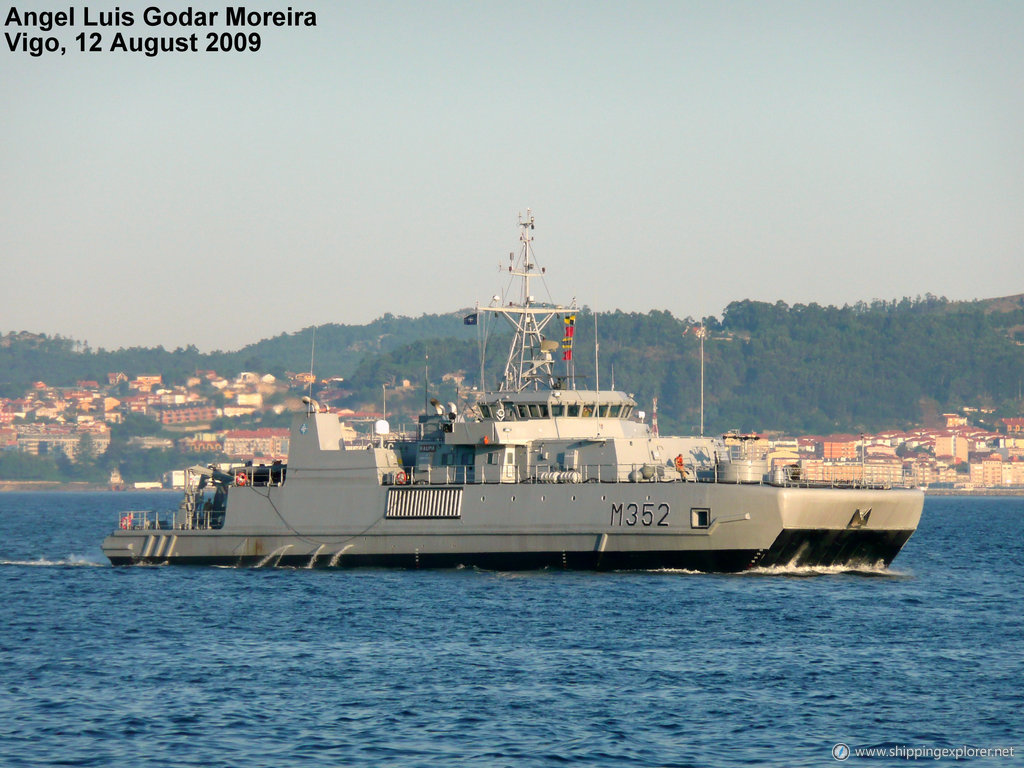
(104, 666)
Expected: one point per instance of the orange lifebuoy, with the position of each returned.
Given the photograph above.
(401, 478)
(241, 478)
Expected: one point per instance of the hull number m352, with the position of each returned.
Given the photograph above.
(646, 514)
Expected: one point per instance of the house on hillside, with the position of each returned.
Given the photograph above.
(146, 383)
(839, 447)
(1014, 426)
(187, 413)
(952, 446)
(249, 443)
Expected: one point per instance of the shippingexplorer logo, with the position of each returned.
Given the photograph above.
(842, 751)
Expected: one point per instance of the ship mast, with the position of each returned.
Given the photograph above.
(530, 361)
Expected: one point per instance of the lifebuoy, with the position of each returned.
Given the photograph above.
(126, 522)
(401, 478)
(241, 478)
(680, 464)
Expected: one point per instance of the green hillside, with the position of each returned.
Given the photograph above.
(798, 369)
(27, 357)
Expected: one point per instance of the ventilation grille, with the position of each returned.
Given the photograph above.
(424, 503)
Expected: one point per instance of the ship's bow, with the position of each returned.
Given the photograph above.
(855, 528)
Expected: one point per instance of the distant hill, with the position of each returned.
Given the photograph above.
(341, 348)
(1004, 304)
(800, 368)
(27, 357)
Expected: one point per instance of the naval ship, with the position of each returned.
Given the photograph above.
(536, 474)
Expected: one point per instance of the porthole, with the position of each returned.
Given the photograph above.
(604, 497)
(574, 497)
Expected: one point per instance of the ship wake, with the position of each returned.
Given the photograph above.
(69, 561)
(866, 570)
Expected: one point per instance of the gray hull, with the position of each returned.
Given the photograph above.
(604, 526)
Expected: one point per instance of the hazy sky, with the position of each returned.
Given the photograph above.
(677, 155)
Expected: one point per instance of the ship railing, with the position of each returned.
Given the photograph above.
(202, 518)
(845, 477)
(260, 475)
(147, 520)
(613, 473)
(494, 474)
(792, 477)
(619, 473)
(181, 520)
(809, 483)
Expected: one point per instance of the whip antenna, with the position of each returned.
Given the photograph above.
(312, 357)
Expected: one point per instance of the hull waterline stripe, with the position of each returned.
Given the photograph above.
(793, 548)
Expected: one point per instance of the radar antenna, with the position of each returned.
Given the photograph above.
(530, 361)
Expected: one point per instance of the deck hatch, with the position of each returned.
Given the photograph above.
(424, 503)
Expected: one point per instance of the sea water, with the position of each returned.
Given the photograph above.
(174, 666)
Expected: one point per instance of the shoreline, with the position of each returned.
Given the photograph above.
(57, 486)
(974, 492)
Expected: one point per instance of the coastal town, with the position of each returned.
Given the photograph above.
(956, 455)
(75, 423)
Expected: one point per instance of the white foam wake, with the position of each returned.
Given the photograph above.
(824, 570)
(70, 560)
(796, 570)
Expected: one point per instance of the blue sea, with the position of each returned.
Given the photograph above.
(103, 666)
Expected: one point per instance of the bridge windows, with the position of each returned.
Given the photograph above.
(520, 411)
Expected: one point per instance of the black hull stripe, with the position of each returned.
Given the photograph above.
(803, 548)
(719, 561)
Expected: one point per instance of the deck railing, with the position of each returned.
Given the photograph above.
(182, 519)
(604, 473)
(487, 474)
(147, 520)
